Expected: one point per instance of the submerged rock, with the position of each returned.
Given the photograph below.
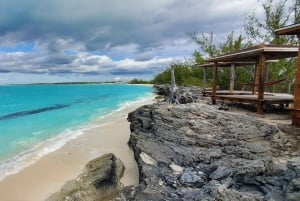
(197, 152)
(100, 180)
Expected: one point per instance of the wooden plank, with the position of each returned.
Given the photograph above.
(270, 99)
(237, 99)
(226, 92)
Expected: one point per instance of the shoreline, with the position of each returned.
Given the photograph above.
(16, 163)
(47, 175)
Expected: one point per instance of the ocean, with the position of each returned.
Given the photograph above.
(39, 119)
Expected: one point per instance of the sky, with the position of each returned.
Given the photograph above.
(106, 40)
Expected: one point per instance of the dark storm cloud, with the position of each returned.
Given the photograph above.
(67, 33)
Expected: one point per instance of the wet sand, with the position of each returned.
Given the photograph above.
(47, 175)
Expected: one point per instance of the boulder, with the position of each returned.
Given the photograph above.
(100, 180)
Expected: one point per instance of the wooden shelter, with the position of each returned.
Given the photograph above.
(294, 30)
(232, 66)
(259, 55)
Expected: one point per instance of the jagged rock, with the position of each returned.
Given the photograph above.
(193, 178)
(294, 165)
(162, 89)
(293, 178)
(220, 173)
(100, 180)
(197, 152)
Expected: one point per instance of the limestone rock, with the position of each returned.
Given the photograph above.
(99, 180)
(198, 152)
(194, 178)
(220, 173)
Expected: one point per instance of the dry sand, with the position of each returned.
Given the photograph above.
(47, 175)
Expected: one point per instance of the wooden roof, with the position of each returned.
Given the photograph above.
(271, 52)
(289, 30)
(228, 64)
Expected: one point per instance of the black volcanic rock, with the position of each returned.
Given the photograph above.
(197, 152)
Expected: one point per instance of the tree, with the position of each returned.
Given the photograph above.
(201, 72)
(206, 43)
(296, 9)
(138, 81)
(276, 15)
(185, 74)
(210, 48)
(232, 44)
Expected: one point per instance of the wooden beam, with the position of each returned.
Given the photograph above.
(261, 72)
(214, 87)
(289, 30)
(272, 52)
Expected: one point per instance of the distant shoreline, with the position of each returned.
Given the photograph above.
(75, 83)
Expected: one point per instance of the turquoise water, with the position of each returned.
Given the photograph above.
(33, 114)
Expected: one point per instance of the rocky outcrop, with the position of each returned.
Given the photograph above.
(100, 180)
(162, 89)
(197, 152)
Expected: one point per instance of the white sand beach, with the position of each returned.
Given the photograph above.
(47, 175)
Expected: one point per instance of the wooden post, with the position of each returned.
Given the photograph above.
(296, 112)
(214, 87)
(256, 78)
(261, 75)
(232, 74)
(204, 78)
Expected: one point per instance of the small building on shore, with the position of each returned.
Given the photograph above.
(258, 55)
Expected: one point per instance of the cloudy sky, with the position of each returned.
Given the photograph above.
(102, 40)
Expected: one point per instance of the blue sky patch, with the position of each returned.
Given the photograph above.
(21, 47)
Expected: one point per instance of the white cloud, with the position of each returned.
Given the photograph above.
(117, 79)
(110, 36)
